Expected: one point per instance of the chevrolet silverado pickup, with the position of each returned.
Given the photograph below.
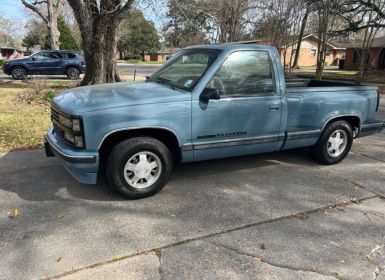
(206, 102)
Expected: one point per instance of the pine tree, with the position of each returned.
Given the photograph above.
(66, 40)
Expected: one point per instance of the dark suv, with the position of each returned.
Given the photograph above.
(69, 63)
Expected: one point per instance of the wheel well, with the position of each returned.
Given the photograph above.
(354, 121)
(69, 66)
(166, 137)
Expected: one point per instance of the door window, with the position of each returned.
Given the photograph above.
(41, 56)
(244, 73)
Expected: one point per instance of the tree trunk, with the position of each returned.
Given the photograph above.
(300, 37)
(54, 34)
(100, 53)
(49, 14)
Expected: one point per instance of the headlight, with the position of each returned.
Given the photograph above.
(65, 121)
(74, 124)
(70, 128)
(77, 140)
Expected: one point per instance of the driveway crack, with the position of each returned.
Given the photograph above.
(281, 266)
(158, 253)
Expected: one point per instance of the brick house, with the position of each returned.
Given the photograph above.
(6, 52)
(308, 52)
(162, 55)
(376, 59)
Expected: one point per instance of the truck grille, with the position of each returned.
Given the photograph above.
(57, 128)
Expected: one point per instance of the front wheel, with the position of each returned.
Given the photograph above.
(73, 73)
(139, 167)
(334, 143)
(18, 73)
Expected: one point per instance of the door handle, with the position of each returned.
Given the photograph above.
(273, 107)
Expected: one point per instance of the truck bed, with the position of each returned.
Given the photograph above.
(308, 83)
(312, 104)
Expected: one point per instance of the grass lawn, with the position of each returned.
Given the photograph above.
(134, 61)
(25, 112)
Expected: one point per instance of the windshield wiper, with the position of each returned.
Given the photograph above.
(165, 81)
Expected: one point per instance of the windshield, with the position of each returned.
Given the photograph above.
(186, 68)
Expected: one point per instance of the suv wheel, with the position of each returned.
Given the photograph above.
(139, 167)
(334, 143)
(18, 73)
(73, 73)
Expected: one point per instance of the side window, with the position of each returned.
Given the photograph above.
(55, 55)
(244, 73)
(71, 55)
(41, 56)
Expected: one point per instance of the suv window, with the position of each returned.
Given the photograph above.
(68, 55)
(244, 73)
(46, 55)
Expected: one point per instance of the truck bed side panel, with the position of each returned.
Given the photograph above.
(310, 109)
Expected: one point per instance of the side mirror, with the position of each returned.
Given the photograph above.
(33, 58)
(210, 93)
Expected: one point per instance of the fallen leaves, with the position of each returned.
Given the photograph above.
(339, 274)
(375, 251)
(14, 213)
(5, 244)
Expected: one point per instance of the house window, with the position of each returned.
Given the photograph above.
(357, 56)
(313, 52)
(327, 52)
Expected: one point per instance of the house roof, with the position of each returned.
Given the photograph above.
(3, 47)
(165, 50)
(377, 43)
(293, 39)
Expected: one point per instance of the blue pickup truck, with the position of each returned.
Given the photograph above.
(206, 102)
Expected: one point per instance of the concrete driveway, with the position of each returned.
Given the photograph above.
(273, 216)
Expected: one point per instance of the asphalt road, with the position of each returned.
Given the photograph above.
(144, 70)
(141, 69)
(272, 216)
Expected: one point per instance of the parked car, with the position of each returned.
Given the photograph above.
(69, 63)
(206, 102)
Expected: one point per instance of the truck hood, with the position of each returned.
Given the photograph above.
(97, 97)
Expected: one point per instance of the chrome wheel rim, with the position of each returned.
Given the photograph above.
(142, 170)
(337, 143)
(18, 73)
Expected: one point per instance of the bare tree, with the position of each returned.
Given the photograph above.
(326, 13)
(9, 30)
(99, 22)
(49, 11)
(305, 17)
(228, 16)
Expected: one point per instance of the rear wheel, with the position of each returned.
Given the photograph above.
(73, 73)
(334, 143)
(139, 167)
(18, 73)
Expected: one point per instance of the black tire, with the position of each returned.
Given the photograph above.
(73, 73)
(336, 154)
(18, 73)
(121, 155)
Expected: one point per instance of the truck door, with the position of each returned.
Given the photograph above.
(247, 117)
